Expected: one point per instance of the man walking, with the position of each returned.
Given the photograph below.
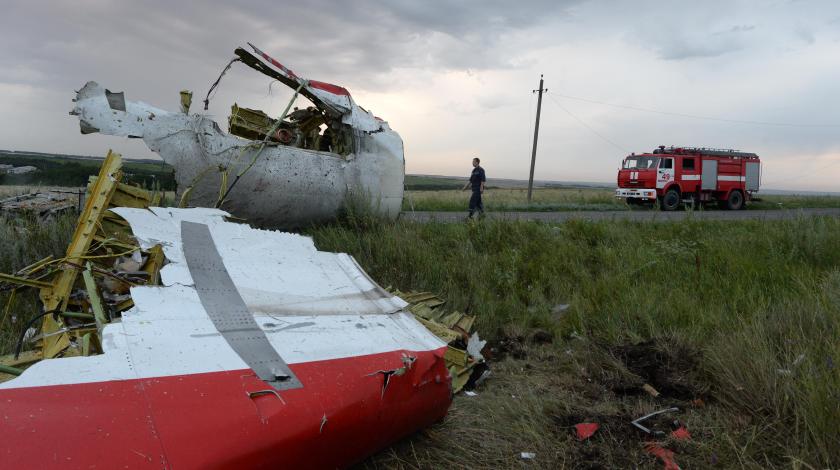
(476, 181)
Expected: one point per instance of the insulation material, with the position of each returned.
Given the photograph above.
(463, 353)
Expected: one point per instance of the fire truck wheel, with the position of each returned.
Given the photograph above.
(735, 201)
(670, 201)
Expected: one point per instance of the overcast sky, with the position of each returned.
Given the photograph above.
(455, 78)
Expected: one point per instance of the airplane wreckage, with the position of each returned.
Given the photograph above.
(276, 173)
(183, 338)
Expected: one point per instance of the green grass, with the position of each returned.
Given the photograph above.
(426, 183)
(497, 199)
(794, 202)
(756, 304)
(573, 199)
(24, 240)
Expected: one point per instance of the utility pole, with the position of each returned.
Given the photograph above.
(536, 135)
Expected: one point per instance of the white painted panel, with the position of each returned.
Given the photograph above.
(312, 305)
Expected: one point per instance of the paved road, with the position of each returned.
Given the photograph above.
(636, 215)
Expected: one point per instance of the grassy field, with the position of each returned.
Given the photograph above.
(553, 199)
(569, 199)
(428, 183)
(22, 242)
(734, 323)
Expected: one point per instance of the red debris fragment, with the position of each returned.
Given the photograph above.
(586, 430)
(665, 455)
(681, 434)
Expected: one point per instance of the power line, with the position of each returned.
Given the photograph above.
(695, 116)
(581, 122)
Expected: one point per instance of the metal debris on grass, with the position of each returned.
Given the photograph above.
(681, 433)
(42, 203)
(463, 356)
(586, 430)
(650, 390)
(638, 421)
(665, 455)
(72, 315)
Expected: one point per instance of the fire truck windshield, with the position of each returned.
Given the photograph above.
(640, 163)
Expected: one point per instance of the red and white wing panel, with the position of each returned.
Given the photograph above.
(170, 392)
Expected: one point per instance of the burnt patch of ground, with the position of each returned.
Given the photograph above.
(669, 367)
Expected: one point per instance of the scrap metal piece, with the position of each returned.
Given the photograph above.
(586, 430)
(41, 203)
(94, 298)
(637, 422)
(307, 176)
(115, 100)
(10, 370)
(8, 278)
(186, 101)
(453, 328)
(56, 297)
(665, 455)
(228, 311)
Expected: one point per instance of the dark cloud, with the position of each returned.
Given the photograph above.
(459, 70)
(323, 38)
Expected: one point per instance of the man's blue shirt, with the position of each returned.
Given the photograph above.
(476, 178)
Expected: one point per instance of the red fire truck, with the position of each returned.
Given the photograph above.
(669, 176)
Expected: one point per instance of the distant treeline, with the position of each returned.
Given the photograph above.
(67, 171)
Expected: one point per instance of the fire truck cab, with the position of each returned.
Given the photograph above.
(669, 176)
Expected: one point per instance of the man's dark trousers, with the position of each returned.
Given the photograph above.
(475, 202)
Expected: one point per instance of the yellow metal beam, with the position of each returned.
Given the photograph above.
(56, 297)
(154, 264)
(94, 298)
(22, 281)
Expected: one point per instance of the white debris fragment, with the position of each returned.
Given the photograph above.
(528, 455)
(474, 347)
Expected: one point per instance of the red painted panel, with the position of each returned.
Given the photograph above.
(104, 425)
(329, 87)
(341, 415)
